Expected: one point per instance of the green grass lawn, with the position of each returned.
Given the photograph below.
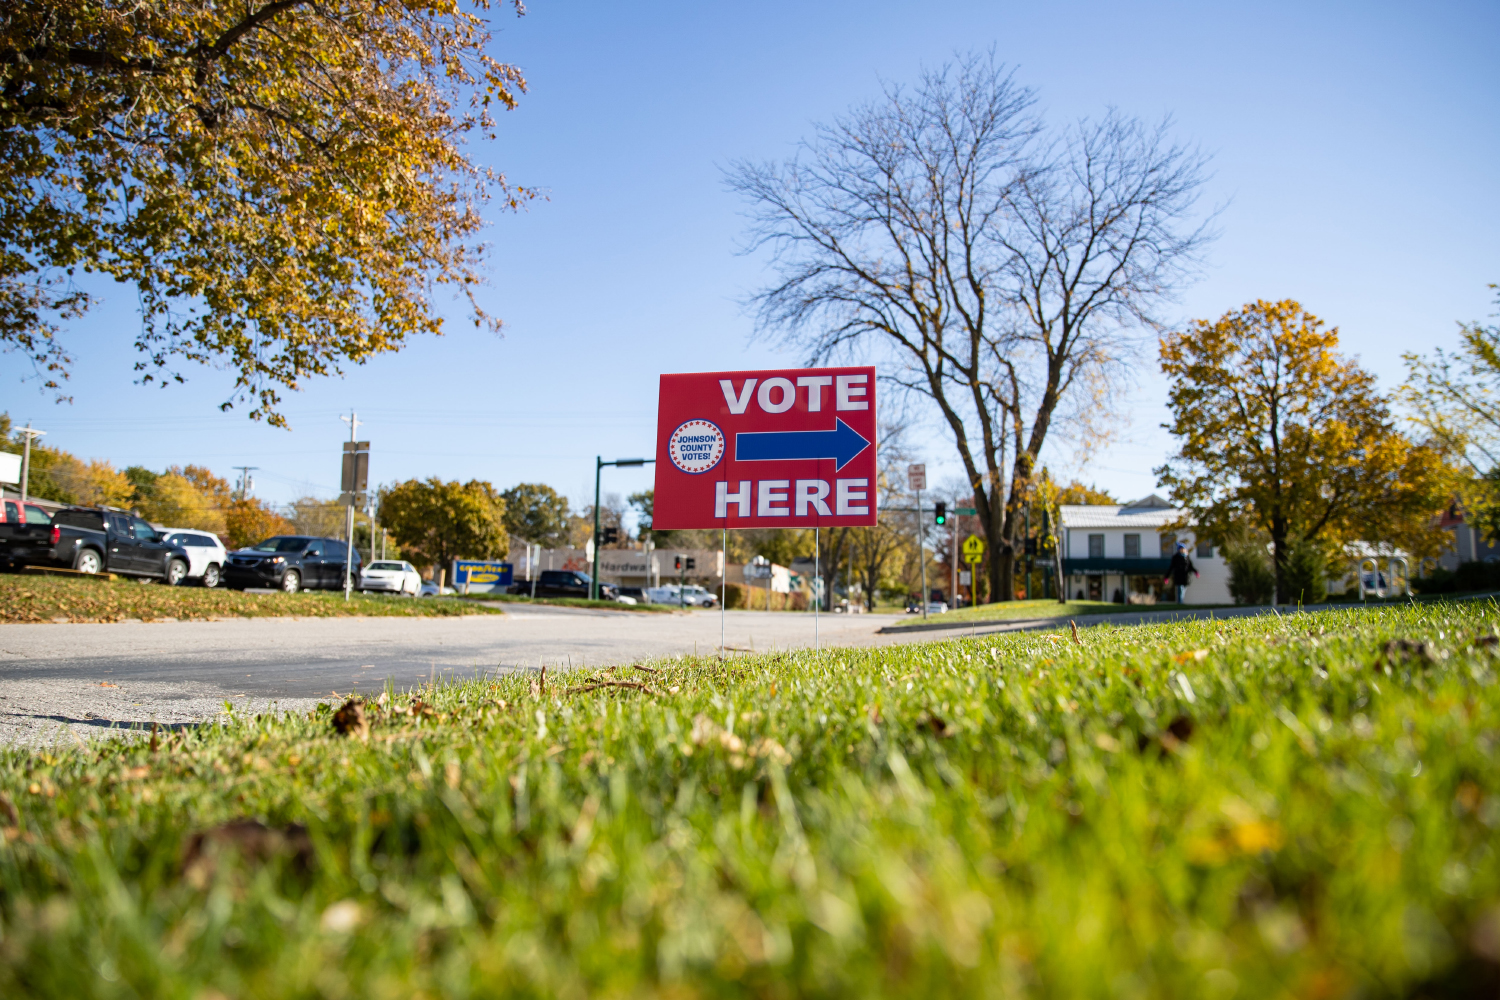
(1300, 806)
(28, 598)
(1017, 610)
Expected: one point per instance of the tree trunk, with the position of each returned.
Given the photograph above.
(1279, 556)
(832, 561)
(994, 533)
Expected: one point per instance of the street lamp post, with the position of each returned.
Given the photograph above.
(599, 464)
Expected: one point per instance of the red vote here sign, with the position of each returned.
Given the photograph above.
(793, 448)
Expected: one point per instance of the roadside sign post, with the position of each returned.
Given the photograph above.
(916, 479)
(788, 448)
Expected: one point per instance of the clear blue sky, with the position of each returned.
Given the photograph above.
(1355, 147)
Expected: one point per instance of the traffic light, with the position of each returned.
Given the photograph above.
(610, 535)
(940, 513)
(1031, 546)
(692, 564)
(677, 563)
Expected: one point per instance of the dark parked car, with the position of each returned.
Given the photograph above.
(565, 583)
(290, 563)
(94, 540)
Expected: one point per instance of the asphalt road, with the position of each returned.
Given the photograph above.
(66, 681)
(87, 678)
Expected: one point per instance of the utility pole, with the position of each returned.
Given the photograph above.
(352, 487)
(247, 483)
(31, 434)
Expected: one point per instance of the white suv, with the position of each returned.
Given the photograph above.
(691, 596)
(206, 554)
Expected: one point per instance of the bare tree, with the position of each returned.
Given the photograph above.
(1002, 267)
(871, 549)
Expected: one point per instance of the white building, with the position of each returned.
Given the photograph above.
(627, 567)
(1121, 554)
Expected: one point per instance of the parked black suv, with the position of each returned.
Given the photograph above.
(94, 540)
(565, 583)
(290, 563)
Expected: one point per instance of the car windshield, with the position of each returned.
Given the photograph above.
(281, 545)
(386, 565)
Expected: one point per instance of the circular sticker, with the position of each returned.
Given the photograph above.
(696, 446)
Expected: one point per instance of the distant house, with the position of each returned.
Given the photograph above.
(1468, 544)
(1121, 553)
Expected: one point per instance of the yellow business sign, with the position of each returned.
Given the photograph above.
(973, 549)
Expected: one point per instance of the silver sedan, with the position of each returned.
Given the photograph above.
(391, 577)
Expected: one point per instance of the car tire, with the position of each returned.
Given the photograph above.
(88, 561)
(211, 576)
(177, 571)
(291, 582)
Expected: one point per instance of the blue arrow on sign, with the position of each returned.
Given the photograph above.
(842, 444)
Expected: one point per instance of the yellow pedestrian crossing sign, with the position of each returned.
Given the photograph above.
(973, 549)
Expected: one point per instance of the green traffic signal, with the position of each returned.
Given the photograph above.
(940, 513)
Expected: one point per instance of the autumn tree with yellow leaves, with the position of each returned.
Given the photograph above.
(284, 184)
(1279, 433)
(1454, 397)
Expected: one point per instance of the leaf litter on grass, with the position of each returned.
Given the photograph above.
(25, 599)
(1299, 810)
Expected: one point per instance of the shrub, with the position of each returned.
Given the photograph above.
(1439, 581)
(1469, 576)
(739, 595)
(1477, 576)
(1251, 580)
(1306, 573)
(734, 596)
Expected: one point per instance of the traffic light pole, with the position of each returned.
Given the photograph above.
(599, 464)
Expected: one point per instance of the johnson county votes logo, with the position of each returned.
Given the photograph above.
(696, 446)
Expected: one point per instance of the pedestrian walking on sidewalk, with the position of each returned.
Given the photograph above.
(1177, 573)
